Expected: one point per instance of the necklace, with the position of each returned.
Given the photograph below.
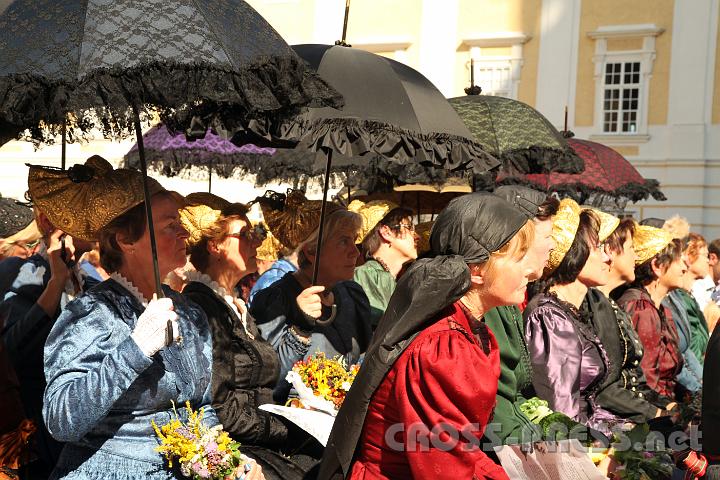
(383, 264)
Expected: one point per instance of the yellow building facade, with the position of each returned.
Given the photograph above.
(641, 76)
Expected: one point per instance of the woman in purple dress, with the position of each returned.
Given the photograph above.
(569, 362)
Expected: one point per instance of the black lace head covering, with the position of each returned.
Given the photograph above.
(14, 216)
(467, 231)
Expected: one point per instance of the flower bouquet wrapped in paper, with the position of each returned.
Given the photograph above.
(199, 451)
(321, 382)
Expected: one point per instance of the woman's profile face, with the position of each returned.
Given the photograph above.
(338, 256)
(596, 271)
(169, 235)
(623, 263)
(509, 281)
(672, 277)
(700, 268)
(240, 247)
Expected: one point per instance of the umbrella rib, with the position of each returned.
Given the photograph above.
(492, 127)
(212, 31)
(82, 42)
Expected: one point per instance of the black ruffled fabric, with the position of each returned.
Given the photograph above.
(595, 196)
(178, 92)
(353, 137)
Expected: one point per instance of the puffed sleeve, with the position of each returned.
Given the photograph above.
(646, 322)
(90, 361)
(445, 379)
(555, 353)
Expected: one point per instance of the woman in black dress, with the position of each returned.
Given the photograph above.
(245, 368)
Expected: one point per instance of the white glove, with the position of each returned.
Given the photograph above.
(150, 329)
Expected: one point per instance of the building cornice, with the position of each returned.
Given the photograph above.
(386, 44)
(626, 31)
(495, 39)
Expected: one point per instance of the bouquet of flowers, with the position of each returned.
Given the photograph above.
(321, 382)
(201, 452)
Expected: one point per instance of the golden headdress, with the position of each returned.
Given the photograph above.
(201, 213)
(565, 225)
(85, 198)
(270, 248)
(292, 218)
(649, 241)
(371, 212)
(422, 230)
(608, 224)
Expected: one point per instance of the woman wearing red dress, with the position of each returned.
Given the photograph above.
(426, 389)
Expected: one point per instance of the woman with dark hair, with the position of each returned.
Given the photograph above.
(222, 246)
(569, 362)
(625, 392)
(110, 368)
(433, 362)
(659, 270)
(388, 243)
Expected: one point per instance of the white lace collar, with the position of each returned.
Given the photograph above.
(221, 292)
(128, 285)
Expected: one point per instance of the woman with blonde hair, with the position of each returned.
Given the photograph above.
(223, 248)
(300, 318)
(433, 362)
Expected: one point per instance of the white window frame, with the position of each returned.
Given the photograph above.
(621, 60)
(513, 40)
(645, 56)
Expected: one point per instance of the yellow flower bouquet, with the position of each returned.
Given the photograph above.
(201, 452)
(321, 382)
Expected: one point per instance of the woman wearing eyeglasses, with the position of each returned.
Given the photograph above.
(388, 243)
(222, 247)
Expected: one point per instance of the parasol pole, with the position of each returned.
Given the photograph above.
(472, 72)
(345, 21)
(347, 184)
(417, 201)
(210, 178)
(321, 228)
(566, 113)
(63, 149)
(148, 208)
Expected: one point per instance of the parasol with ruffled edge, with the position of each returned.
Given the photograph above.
(73, 66)
(170, 153)
(609, 179)
(395, 123)
(515, 133)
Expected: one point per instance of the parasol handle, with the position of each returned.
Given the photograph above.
(321, 227)
(148, 208)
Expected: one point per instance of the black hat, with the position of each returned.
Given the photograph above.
(14, 216)
(525, 199)
(475, 225)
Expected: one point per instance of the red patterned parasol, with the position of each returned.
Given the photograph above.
(607, 173)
